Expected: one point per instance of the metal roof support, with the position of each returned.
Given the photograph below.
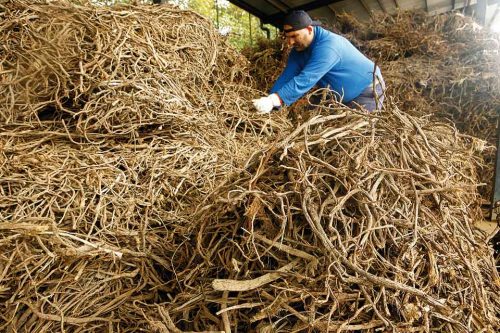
(481, 9)
(252, 10)
(494, 17)
(279, 5)
(332, 10)
(276, 19)
(466, 6)
(380, 3)
(366, 7)
(266, 29)
(315, 4)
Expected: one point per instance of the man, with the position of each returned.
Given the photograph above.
(320, 57)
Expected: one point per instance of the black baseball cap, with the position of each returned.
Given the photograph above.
(298, 19)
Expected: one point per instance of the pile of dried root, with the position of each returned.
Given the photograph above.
(139, 192)
(267, 59)
(115, 123)
(450, 61)
(443, 65)
(359, 223)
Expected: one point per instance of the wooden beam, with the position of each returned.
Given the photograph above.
(481, 7)
(279, 5)
(380, 3)
(494, 17)
(495, 199)
(276, 19)
(366, 7)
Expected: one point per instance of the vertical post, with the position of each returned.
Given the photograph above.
(216, 13)
(495, 200)
(250, 27)
(263, 28)
(482, 6)
(466, 6)
(494, 17)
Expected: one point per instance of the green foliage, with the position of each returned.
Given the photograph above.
(242, 28)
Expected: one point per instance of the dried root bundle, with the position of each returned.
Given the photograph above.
(121, 73)
(361, 223)
(138, 192)
(444, 65)
(115, 124)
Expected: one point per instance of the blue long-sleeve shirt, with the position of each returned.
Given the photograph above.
(330, 61)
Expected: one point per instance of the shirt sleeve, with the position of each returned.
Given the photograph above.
(292, 68)
(320, 62)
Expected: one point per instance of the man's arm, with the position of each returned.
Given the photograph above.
(321, 61)
(268, 103)
(292, 69)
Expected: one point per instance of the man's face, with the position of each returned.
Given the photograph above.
(299, 39)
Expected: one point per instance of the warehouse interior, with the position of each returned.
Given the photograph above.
(144, 187)
(269, 11)
(484, 12)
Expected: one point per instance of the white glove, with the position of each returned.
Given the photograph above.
(266, 104)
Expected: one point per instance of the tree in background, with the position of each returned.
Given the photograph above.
(241, 27)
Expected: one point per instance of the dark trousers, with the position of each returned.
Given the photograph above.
(371, 98)
(366, 100)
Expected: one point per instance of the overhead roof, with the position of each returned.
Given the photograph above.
(271, 11)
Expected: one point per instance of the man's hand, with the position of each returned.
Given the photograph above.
(266, 104)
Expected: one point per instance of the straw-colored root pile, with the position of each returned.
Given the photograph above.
(443, 65)
(449, 61)
(140, 192)
(362, 223)
(115, 124)
(267, 58)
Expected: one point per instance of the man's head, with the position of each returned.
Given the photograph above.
(298, 29)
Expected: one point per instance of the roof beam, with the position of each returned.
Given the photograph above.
(315, 4)
(279, 5)
(276, 19)
(382, 6)
(251, 9)
(366, 7)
